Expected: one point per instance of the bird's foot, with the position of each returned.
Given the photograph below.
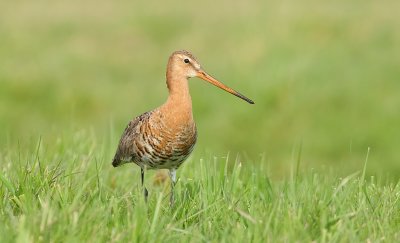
(146, 194)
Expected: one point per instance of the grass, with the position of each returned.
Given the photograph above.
(69, 192)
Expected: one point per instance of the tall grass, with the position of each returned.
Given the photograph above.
(68, 192)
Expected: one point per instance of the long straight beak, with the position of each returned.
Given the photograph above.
(205, 76)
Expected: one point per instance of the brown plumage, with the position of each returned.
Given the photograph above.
(164, 137)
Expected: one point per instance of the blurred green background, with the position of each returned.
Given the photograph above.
(324, 75)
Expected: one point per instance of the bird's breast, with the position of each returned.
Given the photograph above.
(166, 141)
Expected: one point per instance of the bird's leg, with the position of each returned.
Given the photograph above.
(145, 192)
(172, 175)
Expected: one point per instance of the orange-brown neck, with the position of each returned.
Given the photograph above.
(179, 102)
(178, 85)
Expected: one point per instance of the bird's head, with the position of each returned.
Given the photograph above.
(184, 64)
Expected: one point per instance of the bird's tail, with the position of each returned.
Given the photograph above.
(116, 161)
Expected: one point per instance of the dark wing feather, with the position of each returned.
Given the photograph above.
(125, 149)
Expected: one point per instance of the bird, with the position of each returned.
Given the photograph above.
(163, 138)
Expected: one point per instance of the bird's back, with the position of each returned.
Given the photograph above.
(151, 140)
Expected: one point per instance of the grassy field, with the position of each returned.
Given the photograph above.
(218, 199)
(325, 78)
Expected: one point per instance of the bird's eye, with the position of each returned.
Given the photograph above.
(186, 60)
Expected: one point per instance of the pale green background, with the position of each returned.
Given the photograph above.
(325, 76)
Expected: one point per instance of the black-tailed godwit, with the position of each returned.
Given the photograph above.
(164, 137)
